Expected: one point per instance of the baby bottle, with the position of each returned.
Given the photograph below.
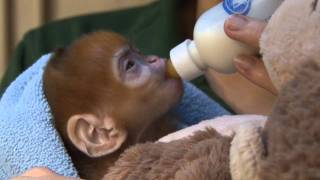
(211, 47)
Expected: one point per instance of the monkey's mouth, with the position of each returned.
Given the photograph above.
(169, 80)
(172, 77)
(170, 71)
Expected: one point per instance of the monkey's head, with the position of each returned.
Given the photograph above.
(102, 90)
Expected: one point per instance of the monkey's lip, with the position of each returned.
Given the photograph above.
(158, 65)
(161, 66)
(170, 73)
(174, 81)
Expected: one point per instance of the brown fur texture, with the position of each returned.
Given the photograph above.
(90, 77)
(290, 38)
(293, 130)
(291, 139)
(202, 156)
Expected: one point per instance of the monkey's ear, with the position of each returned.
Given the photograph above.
(95, 136)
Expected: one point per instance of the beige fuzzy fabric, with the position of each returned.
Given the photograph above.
(289, 145)
(226, 125)
(287, 148)
(291, 37)
(203, 156)
(246, 152)
(292, 132)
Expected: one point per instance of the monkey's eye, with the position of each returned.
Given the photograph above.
(129, 64)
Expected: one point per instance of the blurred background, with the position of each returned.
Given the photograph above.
(19, 16)
(31, 28)
(155, 26)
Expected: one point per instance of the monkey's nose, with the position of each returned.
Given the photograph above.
(156, 63)
(152, 59)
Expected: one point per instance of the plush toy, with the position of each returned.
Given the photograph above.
(287, 147)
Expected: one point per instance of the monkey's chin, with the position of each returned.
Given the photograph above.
(175, 86)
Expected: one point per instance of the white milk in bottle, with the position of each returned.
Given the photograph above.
(211, 47)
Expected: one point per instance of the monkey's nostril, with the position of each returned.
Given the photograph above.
(152, 59)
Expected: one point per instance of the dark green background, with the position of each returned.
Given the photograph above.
(154, 29)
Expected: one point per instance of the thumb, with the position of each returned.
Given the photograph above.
(245, 29)
(254, 70)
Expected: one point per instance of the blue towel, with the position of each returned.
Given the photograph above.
(28, 137)
(197, 106)
(27, 134)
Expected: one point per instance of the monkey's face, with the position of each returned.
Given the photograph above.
(149, 92)
(102, 90)
(102, 73)
(138, 90)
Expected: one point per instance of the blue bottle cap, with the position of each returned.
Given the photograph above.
(237, 6)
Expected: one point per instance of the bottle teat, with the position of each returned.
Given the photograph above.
(171, 71)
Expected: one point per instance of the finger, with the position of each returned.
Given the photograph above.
(245, 29)
(38, 171)
(254, 70)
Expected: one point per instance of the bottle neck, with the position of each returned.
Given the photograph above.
(195, 57)
(186, 61)
(171, 71)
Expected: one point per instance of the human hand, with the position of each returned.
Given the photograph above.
(248, 31)
(41, 173)
(225, 125)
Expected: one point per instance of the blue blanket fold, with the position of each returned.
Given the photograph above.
(27, 134)
(28, 137)
(196, 106)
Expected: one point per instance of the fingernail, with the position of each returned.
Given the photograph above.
(244, 64)
(236, 22)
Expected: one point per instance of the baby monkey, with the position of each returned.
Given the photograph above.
(106, 96)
